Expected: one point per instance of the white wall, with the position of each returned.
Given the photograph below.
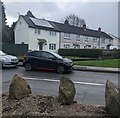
(44, 34)
(98, 44)
(21, 32)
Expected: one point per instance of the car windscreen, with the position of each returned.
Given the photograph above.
(2, 53)
(56, 55)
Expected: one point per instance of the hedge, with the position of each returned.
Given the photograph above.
(89, 53)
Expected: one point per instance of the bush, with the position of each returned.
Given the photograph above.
(89, 53)
(108, 54)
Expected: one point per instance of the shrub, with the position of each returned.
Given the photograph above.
(89, 53)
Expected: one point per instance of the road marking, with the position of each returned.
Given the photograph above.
(75, 82)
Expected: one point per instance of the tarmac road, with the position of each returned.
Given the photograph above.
(90, 86)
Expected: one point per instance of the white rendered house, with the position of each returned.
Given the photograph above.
(41, 34)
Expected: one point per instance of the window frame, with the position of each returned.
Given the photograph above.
(67, 36)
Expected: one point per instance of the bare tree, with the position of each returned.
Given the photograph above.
(75, 20)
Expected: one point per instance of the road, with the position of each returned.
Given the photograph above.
(90, 86)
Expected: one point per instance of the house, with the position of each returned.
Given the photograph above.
(116, 42)
(41, 34)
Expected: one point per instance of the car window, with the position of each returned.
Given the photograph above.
(47, 55)
(35, 54)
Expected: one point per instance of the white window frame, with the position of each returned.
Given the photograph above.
(103, 40)
(95, 40)
(37, 31)
(52, 46)
(52, 33)
(67, 36)
(78, 37)
(66, 46)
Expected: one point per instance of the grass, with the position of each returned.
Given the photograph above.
(74, 58)
(113, 63)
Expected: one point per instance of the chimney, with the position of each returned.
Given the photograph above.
(84, 27)
(66, 22)
(29, 13)
(99, 29)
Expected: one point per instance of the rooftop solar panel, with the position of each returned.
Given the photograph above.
(41, 22)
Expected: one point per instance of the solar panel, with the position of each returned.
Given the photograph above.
(41, 22)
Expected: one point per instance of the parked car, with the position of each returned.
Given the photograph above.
(46, 60)
(7, 60)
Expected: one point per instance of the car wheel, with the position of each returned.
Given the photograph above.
(28, 67)
(61, 69)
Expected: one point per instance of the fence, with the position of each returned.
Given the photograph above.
(14, 49)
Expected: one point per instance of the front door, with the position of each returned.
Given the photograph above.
(40, 46)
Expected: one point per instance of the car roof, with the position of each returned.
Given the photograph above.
(39, 51)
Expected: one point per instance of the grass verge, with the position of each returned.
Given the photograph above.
(113, 63)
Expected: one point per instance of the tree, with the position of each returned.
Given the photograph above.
(6, 30)
(75, 20)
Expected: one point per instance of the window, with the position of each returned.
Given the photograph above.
(102, 47)
(86, 38)
(67, 46)
(34, 53)
(66, 36)
(52, 33)
(78, 37)
(94, 47)
(76, 46)
(37, 31)
(52, 46)
(103, 40)
(110, 40)
(47, 55)
(95, 40)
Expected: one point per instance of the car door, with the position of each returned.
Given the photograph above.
(49, 61)
(35, 59)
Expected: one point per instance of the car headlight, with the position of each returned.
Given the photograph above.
(7, 60)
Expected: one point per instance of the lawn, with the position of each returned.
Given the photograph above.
(114, 63)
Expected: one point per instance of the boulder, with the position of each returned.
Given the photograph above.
(19, 88)
(66, 91)
(112, 99)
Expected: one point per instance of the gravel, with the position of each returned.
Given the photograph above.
(47, 107)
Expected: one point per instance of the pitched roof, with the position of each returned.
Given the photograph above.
(66, 28)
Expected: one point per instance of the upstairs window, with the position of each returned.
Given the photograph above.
(37, 31)
(86, 38)
(94, 40)
(103, 40)
(66, 36)
(52, 33)
(78, 37)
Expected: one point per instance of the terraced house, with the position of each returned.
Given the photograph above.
(41, 34)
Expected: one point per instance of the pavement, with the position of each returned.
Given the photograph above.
(91, 68)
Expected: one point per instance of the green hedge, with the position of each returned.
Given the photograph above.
(89, 53)
(111, 54)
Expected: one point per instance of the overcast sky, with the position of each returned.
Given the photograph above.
(96, 14)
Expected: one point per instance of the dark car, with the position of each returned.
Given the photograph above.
(45, 60)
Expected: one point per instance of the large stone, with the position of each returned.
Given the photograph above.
(112, 99)
(19, 88)
(66, 91)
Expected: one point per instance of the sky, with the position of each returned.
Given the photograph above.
(96, 13)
